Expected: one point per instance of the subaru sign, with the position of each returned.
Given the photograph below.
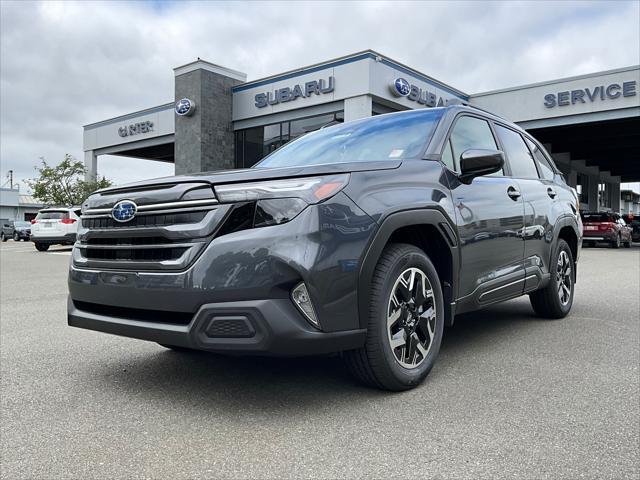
(185, 107)
(288, 94)
(400, 87)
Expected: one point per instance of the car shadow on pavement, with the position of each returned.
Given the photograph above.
(259, 384)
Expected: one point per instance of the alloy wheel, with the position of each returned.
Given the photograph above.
(411, 318)
(564, 278)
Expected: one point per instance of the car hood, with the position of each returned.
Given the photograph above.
(254, 174)
(169, 189)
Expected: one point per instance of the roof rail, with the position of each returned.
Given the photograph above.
(456, 101)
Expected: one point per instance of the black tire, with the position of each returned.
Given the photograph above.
(42, 247)
(627, 244)
(376, 364)
(546, 302)
(16, 237)
(617, 242)
(3, 237)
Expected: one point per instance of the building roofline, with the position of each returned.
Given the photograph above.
(353, 57)
(126, 116)
(200, 64)
(559, 80)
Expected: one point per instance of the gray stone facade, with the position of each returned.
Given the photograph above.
(204, 141)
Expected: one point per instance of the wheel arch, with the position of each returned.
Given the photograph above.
(431, 231)
(568, 231)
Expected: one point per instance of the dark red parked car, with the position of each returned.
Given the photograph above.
(605, 227)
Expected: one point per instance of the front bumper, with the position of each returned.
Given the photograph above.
(253, 270)
(271, 326)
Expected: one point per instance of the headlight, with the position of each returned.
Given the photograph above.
(310, 189)
(273, 202)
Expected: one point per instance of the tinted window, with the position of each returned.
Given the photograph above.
(385, 137)
(52, 215)
(546, 170)
(520, 159)
(596, 217)
(447, 157)
(470, 132)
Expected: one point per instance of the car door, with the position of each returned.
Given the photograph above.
(539, 196)
(489, 216)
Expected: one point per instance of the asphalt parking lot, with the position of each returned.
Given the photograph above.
(510, 396)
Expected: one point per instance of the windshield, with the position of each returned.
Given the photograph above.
(22, 224)
(386, 137)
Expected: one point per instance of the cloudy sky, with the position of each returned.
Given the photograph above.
(63, 65)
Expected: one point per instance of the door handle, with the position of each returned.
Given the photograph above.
(513, 193)
(551, 192)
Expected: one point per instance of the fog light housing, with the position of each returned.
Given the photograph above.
(302, 300)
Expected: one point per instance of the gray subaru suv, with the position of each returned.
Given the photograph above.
(365, 238)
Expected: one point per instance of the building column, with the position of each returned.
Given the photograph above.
(91, 164)
(615, 195)
(204, 140)
(357, 107)
(592, 194)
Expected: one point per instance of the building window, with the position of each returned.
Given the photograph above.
(604, 195)
(253, 144)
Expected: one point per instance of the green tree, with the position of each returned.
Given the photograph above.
(64, 184)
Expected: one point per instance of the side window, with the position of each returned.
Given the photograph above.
(471, 132)
(520, 159)
(546, 170)
(447, 157)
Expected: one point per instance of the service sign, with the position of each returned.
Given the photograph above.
(591, 94)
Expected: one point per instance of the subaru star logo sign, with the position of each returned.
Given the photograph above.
(185, 107)
(400, 87)
(124, 210)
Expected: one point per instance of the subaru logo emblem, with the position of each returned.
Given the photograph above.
(185, 107)
(400, 87)
(124, 210)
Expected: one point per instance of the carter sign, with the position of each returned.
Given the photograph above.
(135, 129)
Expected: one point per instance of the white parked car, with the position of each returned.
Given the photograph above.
(55, 226)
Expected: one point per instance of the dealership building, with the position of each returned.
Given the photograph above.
(219, 120)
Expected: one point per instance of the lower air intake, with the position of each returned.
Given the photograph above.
(235, 327)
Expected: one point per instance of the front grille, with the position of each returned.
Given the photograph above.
(151, 220)
(167, 235)
(139, 255)
(143, 315)
(128, 241)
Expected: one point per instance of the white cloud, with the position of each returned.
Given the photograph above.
(63, 65)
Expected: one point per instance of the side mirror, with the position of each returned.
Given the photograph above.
(476, 162)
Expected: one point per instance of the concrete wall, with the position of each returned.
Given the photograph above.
(204, 140)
